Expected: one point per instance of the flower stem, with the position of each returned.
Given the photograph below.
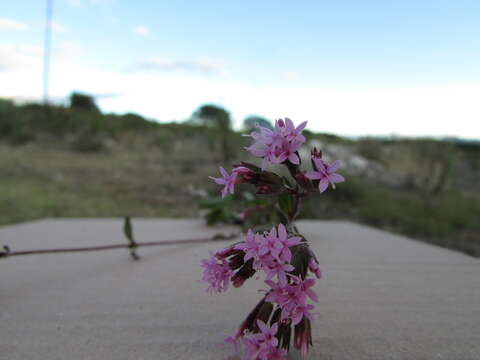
(7, 253)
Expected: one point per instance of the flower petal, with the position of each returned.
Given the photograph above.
(323, 185)
(314, 175)
(312, 295)
(320, 165)
(262, 326)
(224, 192)
(294, 241)
(334, 166)
(289, 124)
(293, 158)
(297, 318)
(282, 231)
(336, 178)
(223, 172)
(219, 181)
(301, 126)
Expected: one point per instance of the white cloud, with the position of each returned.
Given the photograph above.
(201, 65)
(19, 57)
(141, 30)
(410, 111)
(10, 24)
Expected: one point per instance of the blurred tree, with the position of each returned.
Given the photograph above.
(218, 118)
(212, 115)
(250, 122)
(81, 101)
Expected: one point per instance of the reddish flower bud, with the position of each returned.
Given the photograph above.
(316, 153)
(303, 336)
(243, 174)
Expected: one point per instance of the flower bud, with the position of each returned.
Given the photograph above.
(264, 313)
(303, 336)
(225, 252)
(243, 174)
(245, 272)
(313, 267)
(300, 259)
(315, 153)
(266, 182)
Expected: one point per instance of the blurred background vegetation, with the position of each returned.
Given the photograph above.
(74, 161)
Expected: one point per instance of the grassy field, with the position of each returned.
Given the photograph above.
(38, 182)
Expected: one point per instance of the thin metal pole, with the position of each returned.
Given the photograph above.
(47, 49)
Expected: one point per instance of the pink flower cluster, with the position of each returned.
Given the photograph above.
(216, 273)
(285, 311)
(277, 145)
(270, 252)
(263, 345)
(288, 293)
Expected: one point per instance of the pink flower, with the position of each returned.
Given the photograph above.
(277, 145)
(253, 347)
(263, 345)
(250, 246)
(227, 180)
(326, 174)
(276, 292)
(279, 269)
(304, 287)
(300, 311)
(217, 273)
(287, 129)
(267, 333)
(284, 243)
(291, 298)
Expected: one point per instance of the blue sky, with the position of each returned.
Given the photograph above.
(349, 67)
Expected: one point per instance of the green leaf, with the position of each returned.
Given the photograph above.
(127, 229)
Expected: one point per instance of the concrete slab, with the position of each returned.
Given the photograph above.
(383, 296)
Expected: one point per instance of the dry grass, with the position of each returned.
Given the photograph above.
(41, 182)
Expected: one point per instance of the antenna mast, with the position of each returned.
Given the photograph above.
(46, 50)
